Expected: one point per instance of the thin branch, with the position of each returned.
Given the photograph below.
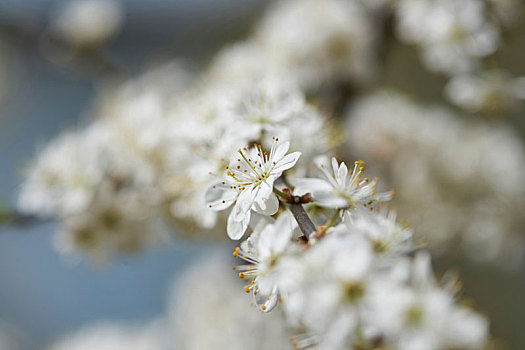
(18, 219)
(305, 224)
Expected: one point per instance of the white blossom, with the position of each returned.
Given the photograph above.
(341, 188)
(249, 184)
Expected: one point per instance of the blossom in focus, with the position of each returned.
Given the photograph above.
(249, 184)
(340, 188)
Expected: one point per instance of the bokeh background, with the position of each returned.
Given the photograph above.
(43, 296)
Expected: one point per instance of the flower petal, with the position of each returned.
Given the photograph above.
(342, 173)
(236, 229)
(268, 206)
(220, 197)
(312, 186)
(278, 151)
(330, 200)
(286, 163)
(245, 202)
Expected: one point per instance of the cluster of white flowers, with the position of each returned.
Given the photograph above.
(454, 179)
(102, 194)
(150, 152)
(245, 138)
(349, 281)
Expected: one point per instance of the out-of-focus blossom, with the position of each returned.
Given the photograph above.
(210, 311)
(453, 35)
(104, 195)
(114, 336)
(491, 92)
(454, 179)
(87, 23)
(318, 40)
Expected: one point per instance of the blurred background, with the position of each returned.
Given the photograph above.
(45, 88)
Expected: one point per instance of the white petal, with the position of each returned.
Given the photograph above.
(279, 151)
(220, 196)
(342, 173)
(282, 232)
(312, 186)
(266, 202)
(271, 301)
(286, 163)
(236, 229)
(330, 200)
(245, 202)
(271, 205)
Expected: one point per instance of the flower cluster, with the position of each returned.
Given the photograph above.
(346, 282)
(427, 153)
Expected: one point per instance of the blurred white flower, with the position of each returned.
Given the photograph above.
(209, 310)
(493, 92)
(445, 170)
(387, 236)
(318, 40)
(88, 22)
(452, 34)
(114, 336)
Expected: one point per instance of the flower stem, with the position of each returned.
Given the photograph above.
(329, 223)
(282, 194)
